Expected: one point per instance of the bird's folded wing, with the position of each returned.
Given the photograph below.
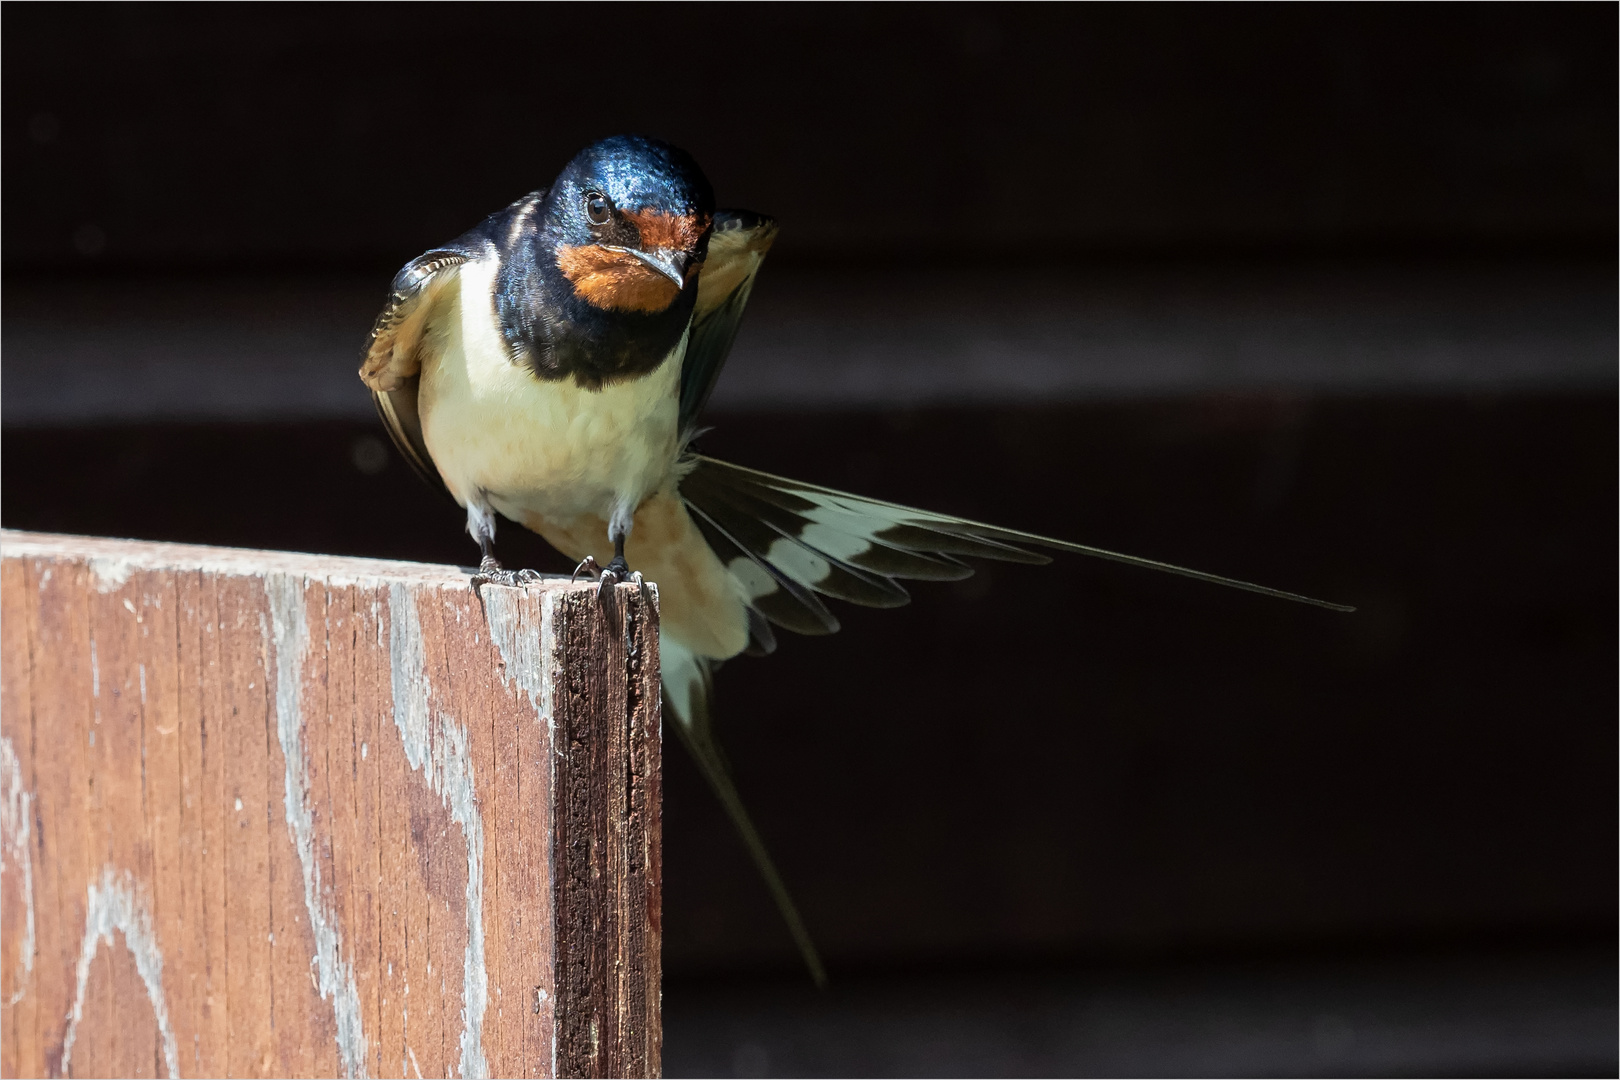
(392, 366)
(790, 543)
(391, 350)
(737, 247)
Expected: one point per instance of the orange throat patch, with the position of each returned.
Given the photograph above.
(615, 280)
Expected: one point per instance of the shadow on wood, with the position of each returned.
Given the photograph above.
(294, 815)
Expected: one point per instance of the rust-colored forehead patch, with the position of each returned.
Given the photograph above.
(615, 280)
(673, 232)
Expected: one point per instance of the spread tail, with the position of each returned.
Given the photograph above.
(789, 541)
(788, 544)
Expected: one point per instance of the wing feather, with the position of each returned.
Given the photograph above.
(737, 247)
(392, 363)
(391, 352)
(397, 410)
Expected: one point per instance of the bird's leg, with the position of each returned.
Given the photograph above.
(481, 524)
(618, 570)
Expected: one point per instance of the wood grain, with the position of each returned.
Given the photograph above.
(275, 814)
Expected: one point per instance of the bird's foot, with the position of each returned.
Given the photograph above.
(616, 571)
(632, 576)
(490, 572)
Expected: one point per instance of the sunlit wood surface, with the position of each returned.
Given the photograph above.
(269, 814)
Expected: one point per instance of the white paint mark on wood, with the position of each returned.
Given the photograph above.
(523, 652)
(110, 572)
(16, 829)
(335, 975)
(437, 747)
(95, 671)
(114, 905)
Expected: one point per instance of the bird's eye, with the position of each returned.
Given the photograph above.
(597, 207)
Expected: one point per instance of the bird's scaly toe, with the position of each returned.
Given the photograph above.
(490, 572)
(641, 588)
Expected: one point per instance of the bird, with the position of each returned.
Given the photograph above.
(551, 366)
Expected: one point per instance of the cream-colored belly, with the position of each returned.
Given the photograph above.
(529, 447)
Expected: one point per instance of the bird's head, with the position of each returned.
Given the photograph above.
(629, 221)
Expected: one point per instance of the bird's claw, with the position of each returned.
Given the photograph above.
(618, 570)
(634, 578)
(615, 572)
(490, 572)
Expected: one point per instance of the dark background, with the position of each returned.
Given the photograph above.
(1322, 296)
(224, 136)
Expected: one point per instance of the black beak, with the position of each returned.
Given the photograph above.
(672, 264)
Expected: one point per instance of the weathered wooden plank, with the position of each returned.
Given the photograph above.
(130, 1025)
(517, 627)
(20, 1049)
(63, 795)
(298, 815)
(643, 891)
(303, 917)
(212, 1037)
(246, 733)
(157, 621)
(348, 844)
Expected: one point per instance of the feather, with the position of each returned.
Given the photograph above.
(761, 513)
(781, 540)
(737, 247)
(687, 684)
(392, 365)
(785, 602)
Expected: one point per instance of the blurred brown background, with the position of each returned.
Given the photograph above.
(1321, 296)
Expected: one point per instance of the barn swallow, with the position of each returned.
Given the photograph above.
(550, 366)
